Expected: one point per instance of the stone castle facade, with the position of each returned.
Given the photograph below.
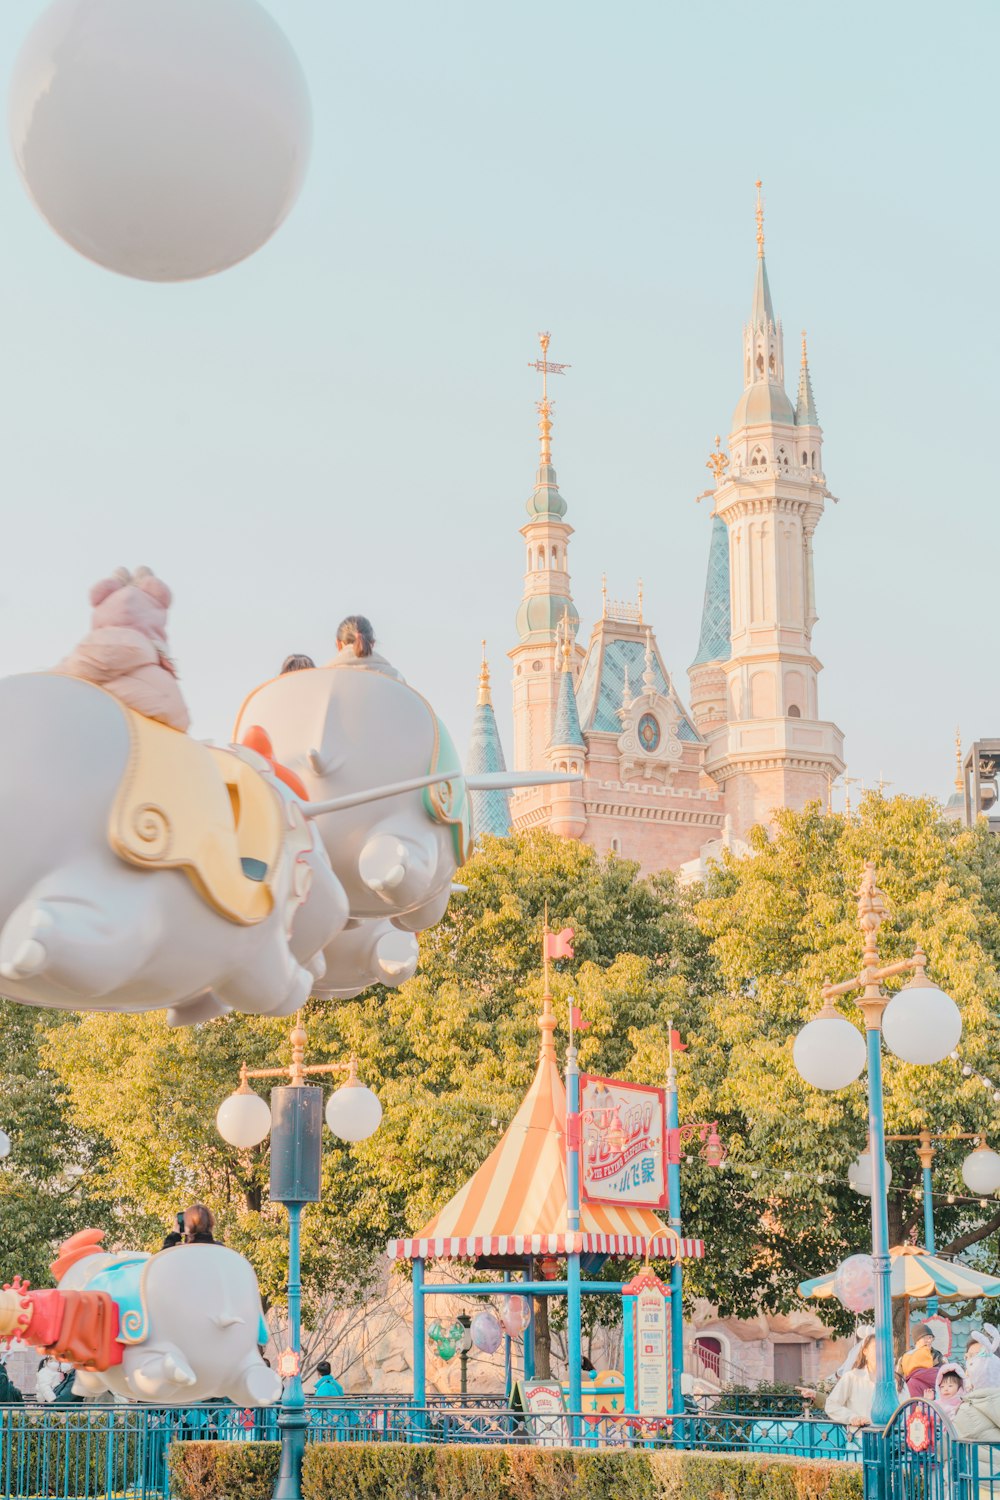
(667, 782)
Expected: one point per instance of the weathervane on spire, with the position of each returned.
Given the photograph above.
(717, 461)
(546, 367)
(760, 222)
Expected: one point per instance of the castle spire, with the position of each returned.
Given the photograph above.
(566, 731)
(490, 810)
(805, 407)
(763, 309)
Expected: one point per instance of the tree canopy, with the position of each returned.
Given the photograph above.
(736, 965)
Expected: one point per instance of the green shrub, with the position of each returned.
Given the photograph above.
(223, 1471)
(459, 1471)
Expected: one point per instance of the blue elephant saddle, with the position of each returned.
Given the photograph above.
(208, 812)
(123, 1282)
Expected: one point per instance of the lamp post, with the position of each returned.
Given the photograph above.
(714, 1154)
(463, 1350)
(921, 1024)
(295, 1123)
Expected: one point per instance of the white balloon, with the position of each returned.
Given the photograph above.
(921, 1024)
(859, 1174)
(981, 1170)
(353, 1112)
(164, 139)
(829, 1052)
(244, 1119)
(4, 1144)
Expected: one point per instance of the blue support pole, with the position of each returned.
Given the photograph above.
(419, 1337)
(574, 1306)
(674, 1210)
(507, 1381)
(292, 1420)
(932, 1302)
(885, 1400)
(529, 1332)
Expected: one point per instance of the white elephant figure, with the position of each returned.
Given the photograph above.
(143, 870)
(344, 731)
(190, 1323)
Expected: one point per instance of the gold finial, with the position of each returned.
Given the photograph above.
(805, 356)
(546, 367)
(717, 461)
(959, 780)
(566, 647)
(604, 596)
(640, 601)
(484, 696)
(760, 222)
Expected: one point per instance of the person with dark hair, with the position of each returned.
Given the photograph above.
(198, 1225)
(356, 647)
(326, 1386)
(296, 663)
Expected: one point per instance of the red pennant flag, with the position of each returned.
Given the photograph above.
(576, 1020)
(676, 1045)
(559, 944)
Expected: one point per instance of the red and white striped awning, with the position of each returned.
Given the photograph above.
(660, 1247)
(516, 1204)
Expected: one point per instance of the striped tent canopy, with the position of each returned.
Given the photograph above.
(516, 1204)
(915, 1273)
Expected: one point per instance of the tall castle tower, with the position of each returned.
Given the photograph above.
(756, 704)
(546, 607)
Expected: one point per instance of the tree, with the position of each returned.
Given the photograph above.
(778, 924)
(45, 1181)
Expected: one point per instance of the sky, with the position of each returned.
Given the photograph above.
(346, 423)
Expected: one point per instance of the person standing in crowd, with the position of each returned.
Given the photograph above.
(297, 662)
(850, 1401)
(326, 1386)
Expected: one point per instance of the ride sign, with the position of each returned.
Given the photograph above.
(623, 1143)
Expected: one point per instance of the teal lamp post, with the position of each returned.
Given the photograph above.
(295, 1124)
(920, 1024)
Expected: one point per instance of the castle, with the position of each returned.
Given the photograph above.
(666, 783)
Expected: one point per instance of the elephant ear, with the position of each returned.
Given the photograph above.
(108, 586)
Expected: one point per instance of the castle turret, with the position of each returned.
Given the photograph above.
(774, 750)
(546, 598)
(490, 810)
(567, 749)
(707, 673)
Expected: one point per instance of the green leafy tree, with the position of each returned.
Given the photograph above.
(45, 1181)
(778, 924)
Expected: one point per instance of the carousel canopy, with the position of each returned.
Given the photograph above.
(915, 1273)
(517, 1204)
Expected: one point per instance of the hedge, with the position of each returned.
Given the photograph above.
(457, 1471)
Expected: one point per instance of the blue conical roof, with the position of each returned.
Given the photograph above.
(716, 643)
(490, 810)
(566, 728)
(805, 407)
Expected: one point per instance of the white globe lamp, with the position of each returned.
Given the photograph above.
(353, 1112)
(859, 1174)
(981, 1170)
(244, 1119)
(4, 1144)
(921, 1024)
(164, 139)
(829, 1052)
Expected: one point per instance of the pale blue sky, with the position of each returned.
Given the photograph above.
(346, 421)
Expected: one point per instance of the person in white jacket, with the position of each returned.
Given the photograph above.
(50, 1375)
(850, 1401)
(982, 1366)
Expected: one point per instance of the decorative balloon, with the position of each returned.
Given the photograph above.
(854, 1283)
(446, 1341)
(515, 1315)
(486, 1331)
(164, 139)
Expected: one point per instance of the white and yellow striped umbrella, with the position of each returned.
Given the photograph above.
(917, 1274)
